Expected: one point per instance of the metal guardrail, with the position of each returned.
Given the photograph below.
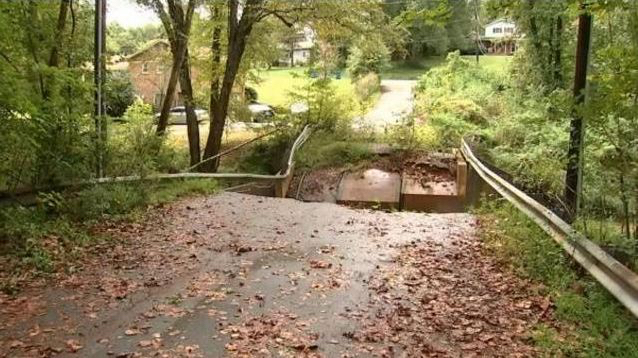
(614, 276)
(284, 174)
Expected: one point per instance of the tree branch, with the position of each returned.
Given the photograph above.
(8, 60)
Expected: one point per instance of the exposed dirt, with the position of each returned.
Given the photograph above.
(244, 276)
(320, 185)
(317, 186)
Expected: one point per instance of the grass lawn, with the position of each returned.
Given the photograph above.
(276, 84)
(493, 63)
(411, 70)
(404, 70)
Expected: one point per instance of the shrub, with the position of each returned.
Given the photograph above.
(119, 93)
(326, 110)
(411, 134)
(136, 149)
(368, 55)
(105, 200)
(367, 86)
(324, 150)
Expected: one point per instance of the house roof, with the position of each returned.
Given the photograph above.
(500, 20)
(149, 45)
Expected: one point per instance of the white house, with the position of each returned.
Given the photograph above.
(296, 48)
(500, 37)
(500, 28)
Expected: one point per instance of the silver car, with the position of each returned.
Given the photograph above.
(177, 115)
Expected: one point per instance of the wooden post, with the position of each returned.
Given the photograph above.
(574, 175)
(98, 77)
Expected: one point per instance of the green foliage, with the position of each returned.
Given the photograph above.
(432, 27)
(544, 61)
(50, 235)
(136, 149)
(369, 55)
(44, 95)
(366, 87)
(411, 134)
(267, 156)
(30, 238)
(597, 326)
(326, 150)
(104, 201)
(121, 41)
(325, 109)
(119, 93)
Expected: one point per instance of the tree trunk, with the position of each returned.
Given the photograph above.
(57, 43)
(178, 58)
(220, 99)
(625, 207)
(192, 125)
(558, 73)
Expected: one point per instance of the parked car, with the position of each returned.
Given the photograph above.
(261, 112)
(177, 115)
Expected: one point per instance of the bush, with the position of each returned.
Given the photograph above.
(367, 86)
(135, 149)
(326, 110)
(411, 134)
(119, 93)
(368, 55)
(49, 236)
(324, 150)
(266, 156)
(105, 200)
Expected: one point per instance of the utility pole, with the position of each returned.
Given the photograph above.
(574, 176)
(477, 5)
(98, 78)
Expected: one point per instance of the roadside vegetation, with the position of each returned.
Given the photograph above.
(515, 110)
(589, 322)
(60, 227)
(518, 117)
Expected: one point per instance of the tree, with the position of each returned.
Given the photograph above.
(542, 23)
(45, 94)
(177, 20)
(118, 93)
(121, 41)
(369, 54)
(431, 27)
(239, 28)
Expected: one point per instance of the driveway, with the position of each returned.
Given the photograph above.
(395, 103)
(245, 276)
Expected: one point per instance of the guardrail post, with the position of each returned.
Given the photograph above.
(282, 185)
(574, 175)
(461, 177)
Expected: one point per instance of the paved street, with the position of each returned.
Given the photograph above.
(236, 275)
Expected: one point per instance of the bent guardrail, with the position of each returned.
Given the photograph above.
(614, 276)
(281, 179)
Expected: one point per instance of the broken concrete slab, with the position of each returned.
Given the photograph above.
(370, 188)
(439, 197)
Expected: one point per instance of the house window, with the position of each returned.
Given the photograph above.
(145, 67)
(497, 30)
(509, 30)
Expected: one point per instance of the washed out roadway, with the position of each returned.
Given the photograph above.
(237, 275)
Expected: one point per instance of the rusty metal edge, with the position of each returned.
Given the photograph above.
(620, 281)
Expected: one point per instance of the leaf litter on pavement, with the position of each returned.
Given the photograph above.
(427, 288)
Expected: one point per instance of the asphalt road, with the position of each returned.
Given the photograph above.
(239, 275)
(396, 101)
